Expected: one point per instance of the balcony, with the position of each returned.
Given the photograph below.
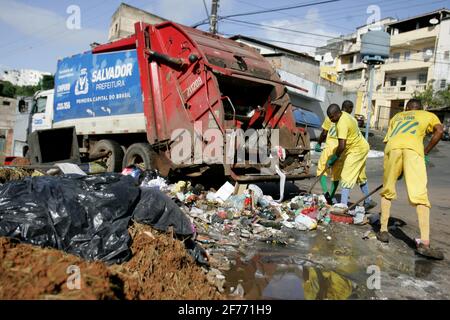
(405, 89)
(352, 66)
(414, 37)
(416, 61)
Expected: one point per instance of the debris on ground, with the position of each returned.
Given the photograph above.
(209, 227)
(12, 174)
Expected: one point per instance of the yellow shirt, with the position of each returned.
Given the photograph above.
(407, 130)
(331, 135)
(347, 129)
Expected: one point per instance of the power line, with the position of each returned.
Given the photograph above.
(311, 46)
(384, 9)
(195, 25)
(279, 9)
(263, 26)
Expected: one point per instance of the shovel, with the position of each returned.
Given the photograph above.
(317, 180)
(344, 212)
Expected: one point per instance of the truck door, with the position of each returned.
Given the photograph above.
(42, 112)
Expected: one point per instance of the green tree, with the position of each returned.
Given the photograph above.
(47, 82)
(427, 97)
(7, 89)
(27, 91)
(443, 97)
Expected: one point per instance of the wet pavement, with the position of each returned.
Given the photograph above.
(334, 262)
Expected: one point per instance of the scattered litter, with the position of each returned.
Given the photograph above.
(70, 168)
(225, 191)
(158, 182)
(133, 171)
(306, 221)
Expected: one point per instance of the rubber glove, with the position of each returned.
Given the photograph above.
(332, 160)
(317, 148)
(427, 160)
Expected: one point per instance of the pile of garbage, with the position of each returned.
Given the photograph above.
(89, 216)
(232, 218)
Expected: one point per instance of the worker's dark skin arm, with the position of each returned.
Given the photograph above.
(438, 131)
(323, 136)
(341, 147)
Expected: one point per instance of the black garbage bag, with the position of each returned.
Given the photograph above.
(84, 215)
(159, 211)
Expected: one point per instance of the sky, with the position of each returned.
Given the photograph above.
(34, 34)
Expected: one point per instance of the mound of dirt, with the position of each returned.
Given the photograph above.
(31, 272)
(160, 268)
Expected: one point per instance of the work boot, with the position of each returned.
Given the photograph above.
(328, 198)
(383, 236)
(369, 205)
(429, 252)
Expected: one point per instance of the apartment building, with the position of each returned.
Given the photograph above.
(420, 49)
(341, 62)
(419, 55)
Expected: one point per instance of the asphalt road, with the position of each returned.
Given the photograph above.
(405, 274)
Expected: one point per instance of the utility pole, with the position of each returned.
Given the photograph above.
(213, 19)
(369, 97)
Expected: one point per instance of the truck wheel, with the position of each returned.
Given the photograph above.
(140, 153)
(113, 154)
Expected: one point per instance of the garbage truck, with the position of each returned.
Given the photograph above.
(126, 101)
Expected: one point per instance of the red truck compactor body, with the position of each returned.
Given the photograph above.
(197, 81)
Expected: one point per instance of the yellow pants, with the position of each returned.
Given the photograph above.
(414, 171)
(321, 165)
(354, 168)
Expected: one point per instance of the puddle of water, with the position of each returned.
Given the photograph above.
(279, 273)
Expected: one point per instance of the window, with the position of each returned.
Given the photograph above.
(422, 78)
(2, 140)
(23, 107)
(404, 81)
(446, 55)
(39, 105)
(393, 82)
(407, 55)
(396, 57)
(403, 84)
(443, 84)
(6, 103)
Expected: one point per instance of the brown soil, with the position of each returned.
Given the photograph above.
(159, 269)
(162, 269)
(31, 272)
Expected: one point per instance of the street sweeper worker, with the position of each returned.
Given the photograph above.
(406, 156)
(352, 152)
(331, 143)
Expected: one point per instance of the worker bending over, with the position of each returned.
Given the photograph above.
(352, 152)
(331, 142)
(405, 156)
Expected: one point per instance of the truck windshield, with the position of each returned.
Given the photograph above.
(39, 105)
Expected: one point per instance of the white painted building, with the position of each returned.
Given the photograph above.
(22, 77)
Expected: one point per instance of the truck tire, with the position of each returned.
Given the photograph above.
(114, 151)
(140, 153)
